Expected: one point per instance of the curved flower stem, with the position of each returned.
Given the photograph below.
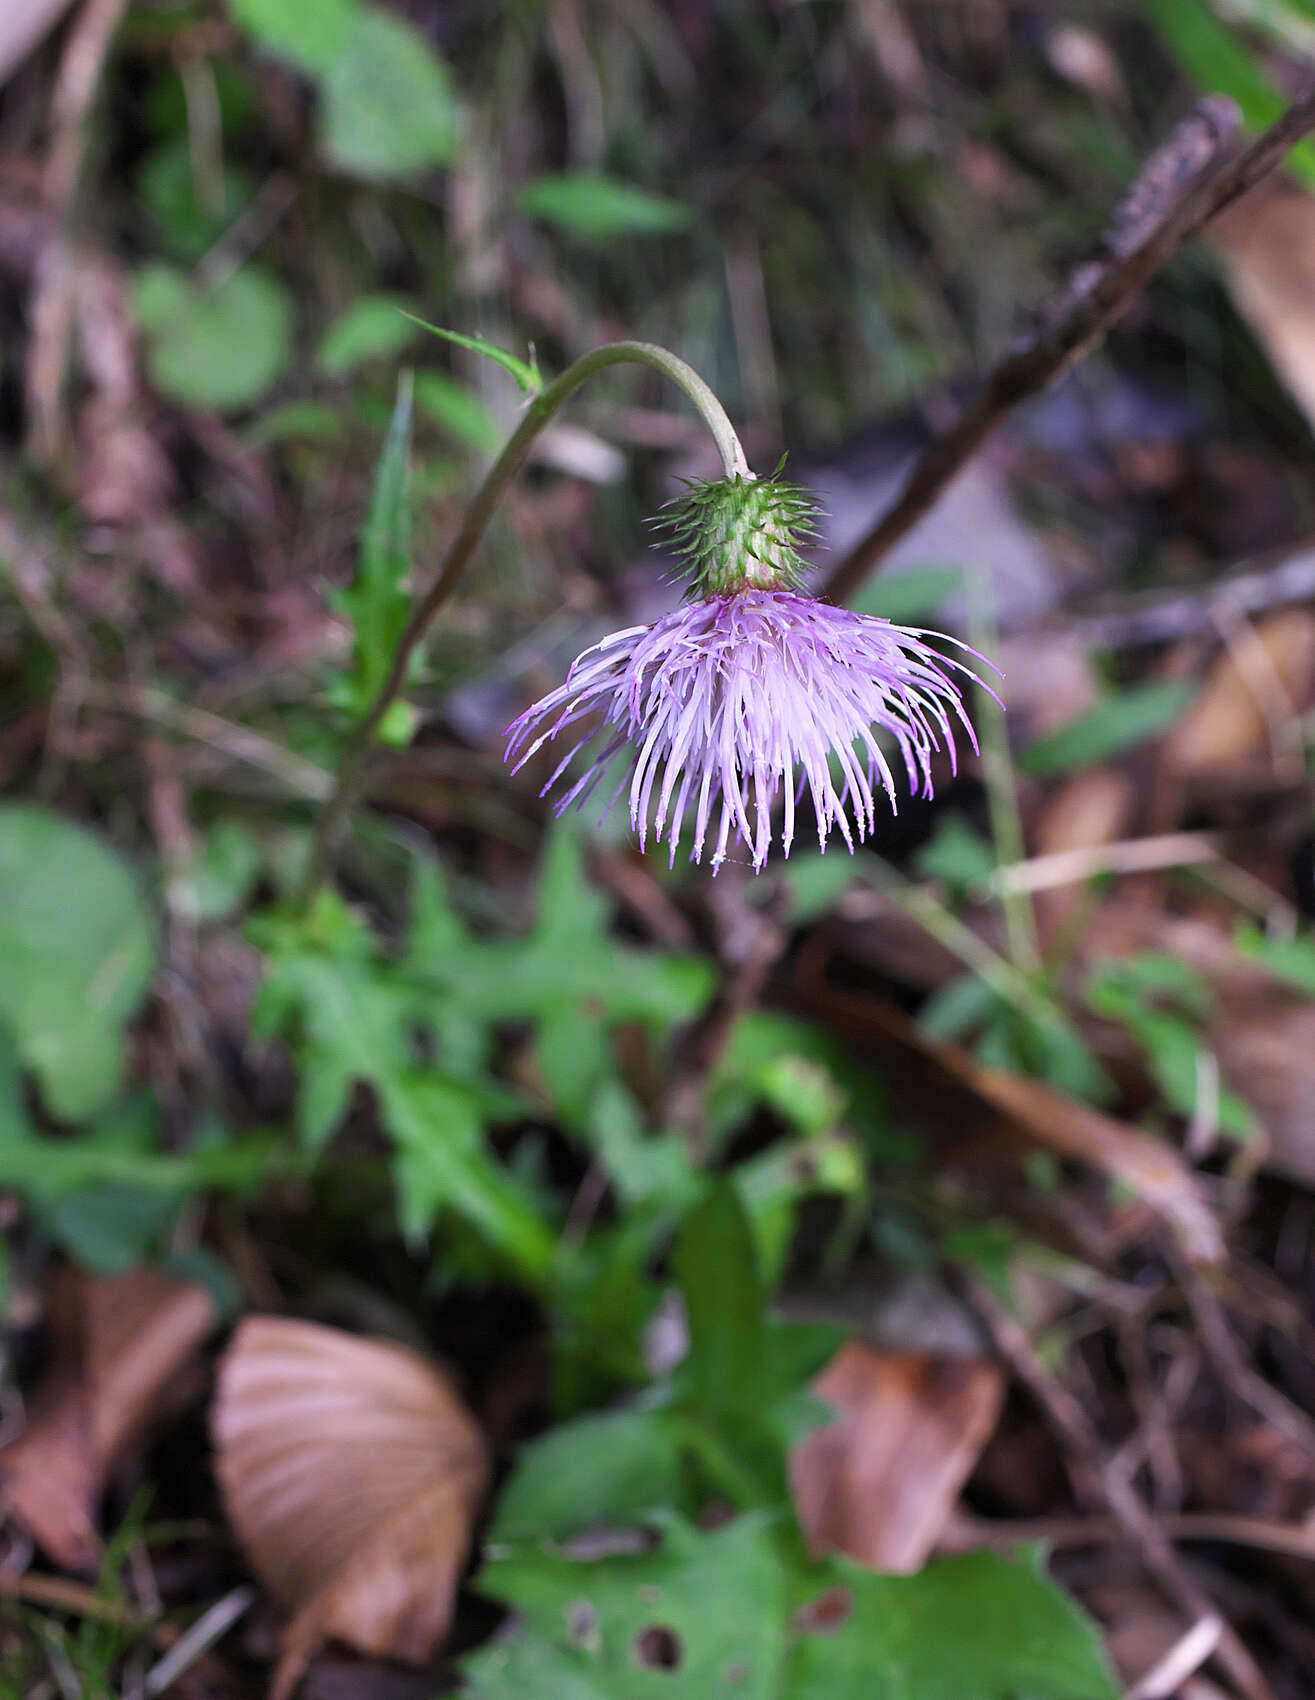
(537, 414)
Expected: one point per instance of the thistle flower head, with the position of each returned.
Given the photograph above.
(749, 694)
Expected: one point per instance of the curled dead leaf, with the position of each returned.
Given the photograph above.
(117, 1345)
(351, 1473)
(880, 1480)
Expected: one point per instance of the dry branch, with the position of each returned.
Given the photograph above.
(1184, 185)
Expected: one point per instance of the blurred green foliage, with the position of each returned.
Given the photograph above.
(505, 1073)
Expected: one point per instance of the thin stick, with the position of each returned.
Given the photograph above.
(202, 1635)
(539, 411)
(1128, 856)
(1179, 191)
(1096, 1478)
(1183, 1659)
(1291, 1540)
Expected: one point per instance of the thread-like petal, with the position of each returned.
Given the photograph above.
(732, 700)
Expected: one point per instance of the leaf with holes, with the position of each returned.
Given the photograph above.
(740, 1613)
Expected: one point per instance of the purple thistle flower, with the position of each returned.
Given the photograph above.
(744, 696)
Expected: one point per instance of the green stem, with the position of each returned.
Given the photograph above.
(1001, 785)
(478, 514)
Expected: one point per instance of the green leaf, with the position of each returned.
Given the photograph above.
(1292, 960)
(973, 1628)
(743, 1385)
(959, 1007)
(221, 348)
(376, 328)
(1133, 992)
(167, 185)
(77, 954)
(106, 1194)
(735, 1613)
(388, 103)
(600, 209)
(352, 1016)
(378, 602)
(716, 1267)
(526, 375)
(456, 409)
(308, 419)
(701, 1616)
(908, 594)
(442, 1163)
(222, 878)
(816, 882)
(1215, 60)
(311, 34)
(324, 990)
(610, 1469)
(957, 855)
(1119, 723)
(570, 959)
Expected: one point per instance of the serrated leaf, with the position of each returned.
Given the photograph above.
(77, 953)
(388, 102)
(702, 1615)
(972, 1628)
(526, 376)
(352, 1016)
(739, 1612)
(599, 209)
(221, 348)
(442, 1163)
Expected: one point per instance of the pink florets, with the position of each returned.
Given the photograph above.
(732, 701)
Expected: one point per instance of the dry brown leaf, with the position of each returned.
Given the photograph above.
(117, 1343)
(1087, 811)
(351, 1473)
(880, 1480)
(1150, 1169)
(1250, 694)
(1268, 249)
(1265, 1046)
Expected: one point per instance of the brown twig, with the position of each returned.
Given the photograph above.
(1179, 191)
(51, 311)
(1287, 1540)
(1098, 1480)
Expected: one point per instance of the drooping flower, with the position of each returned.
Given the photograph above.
(748, 694)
